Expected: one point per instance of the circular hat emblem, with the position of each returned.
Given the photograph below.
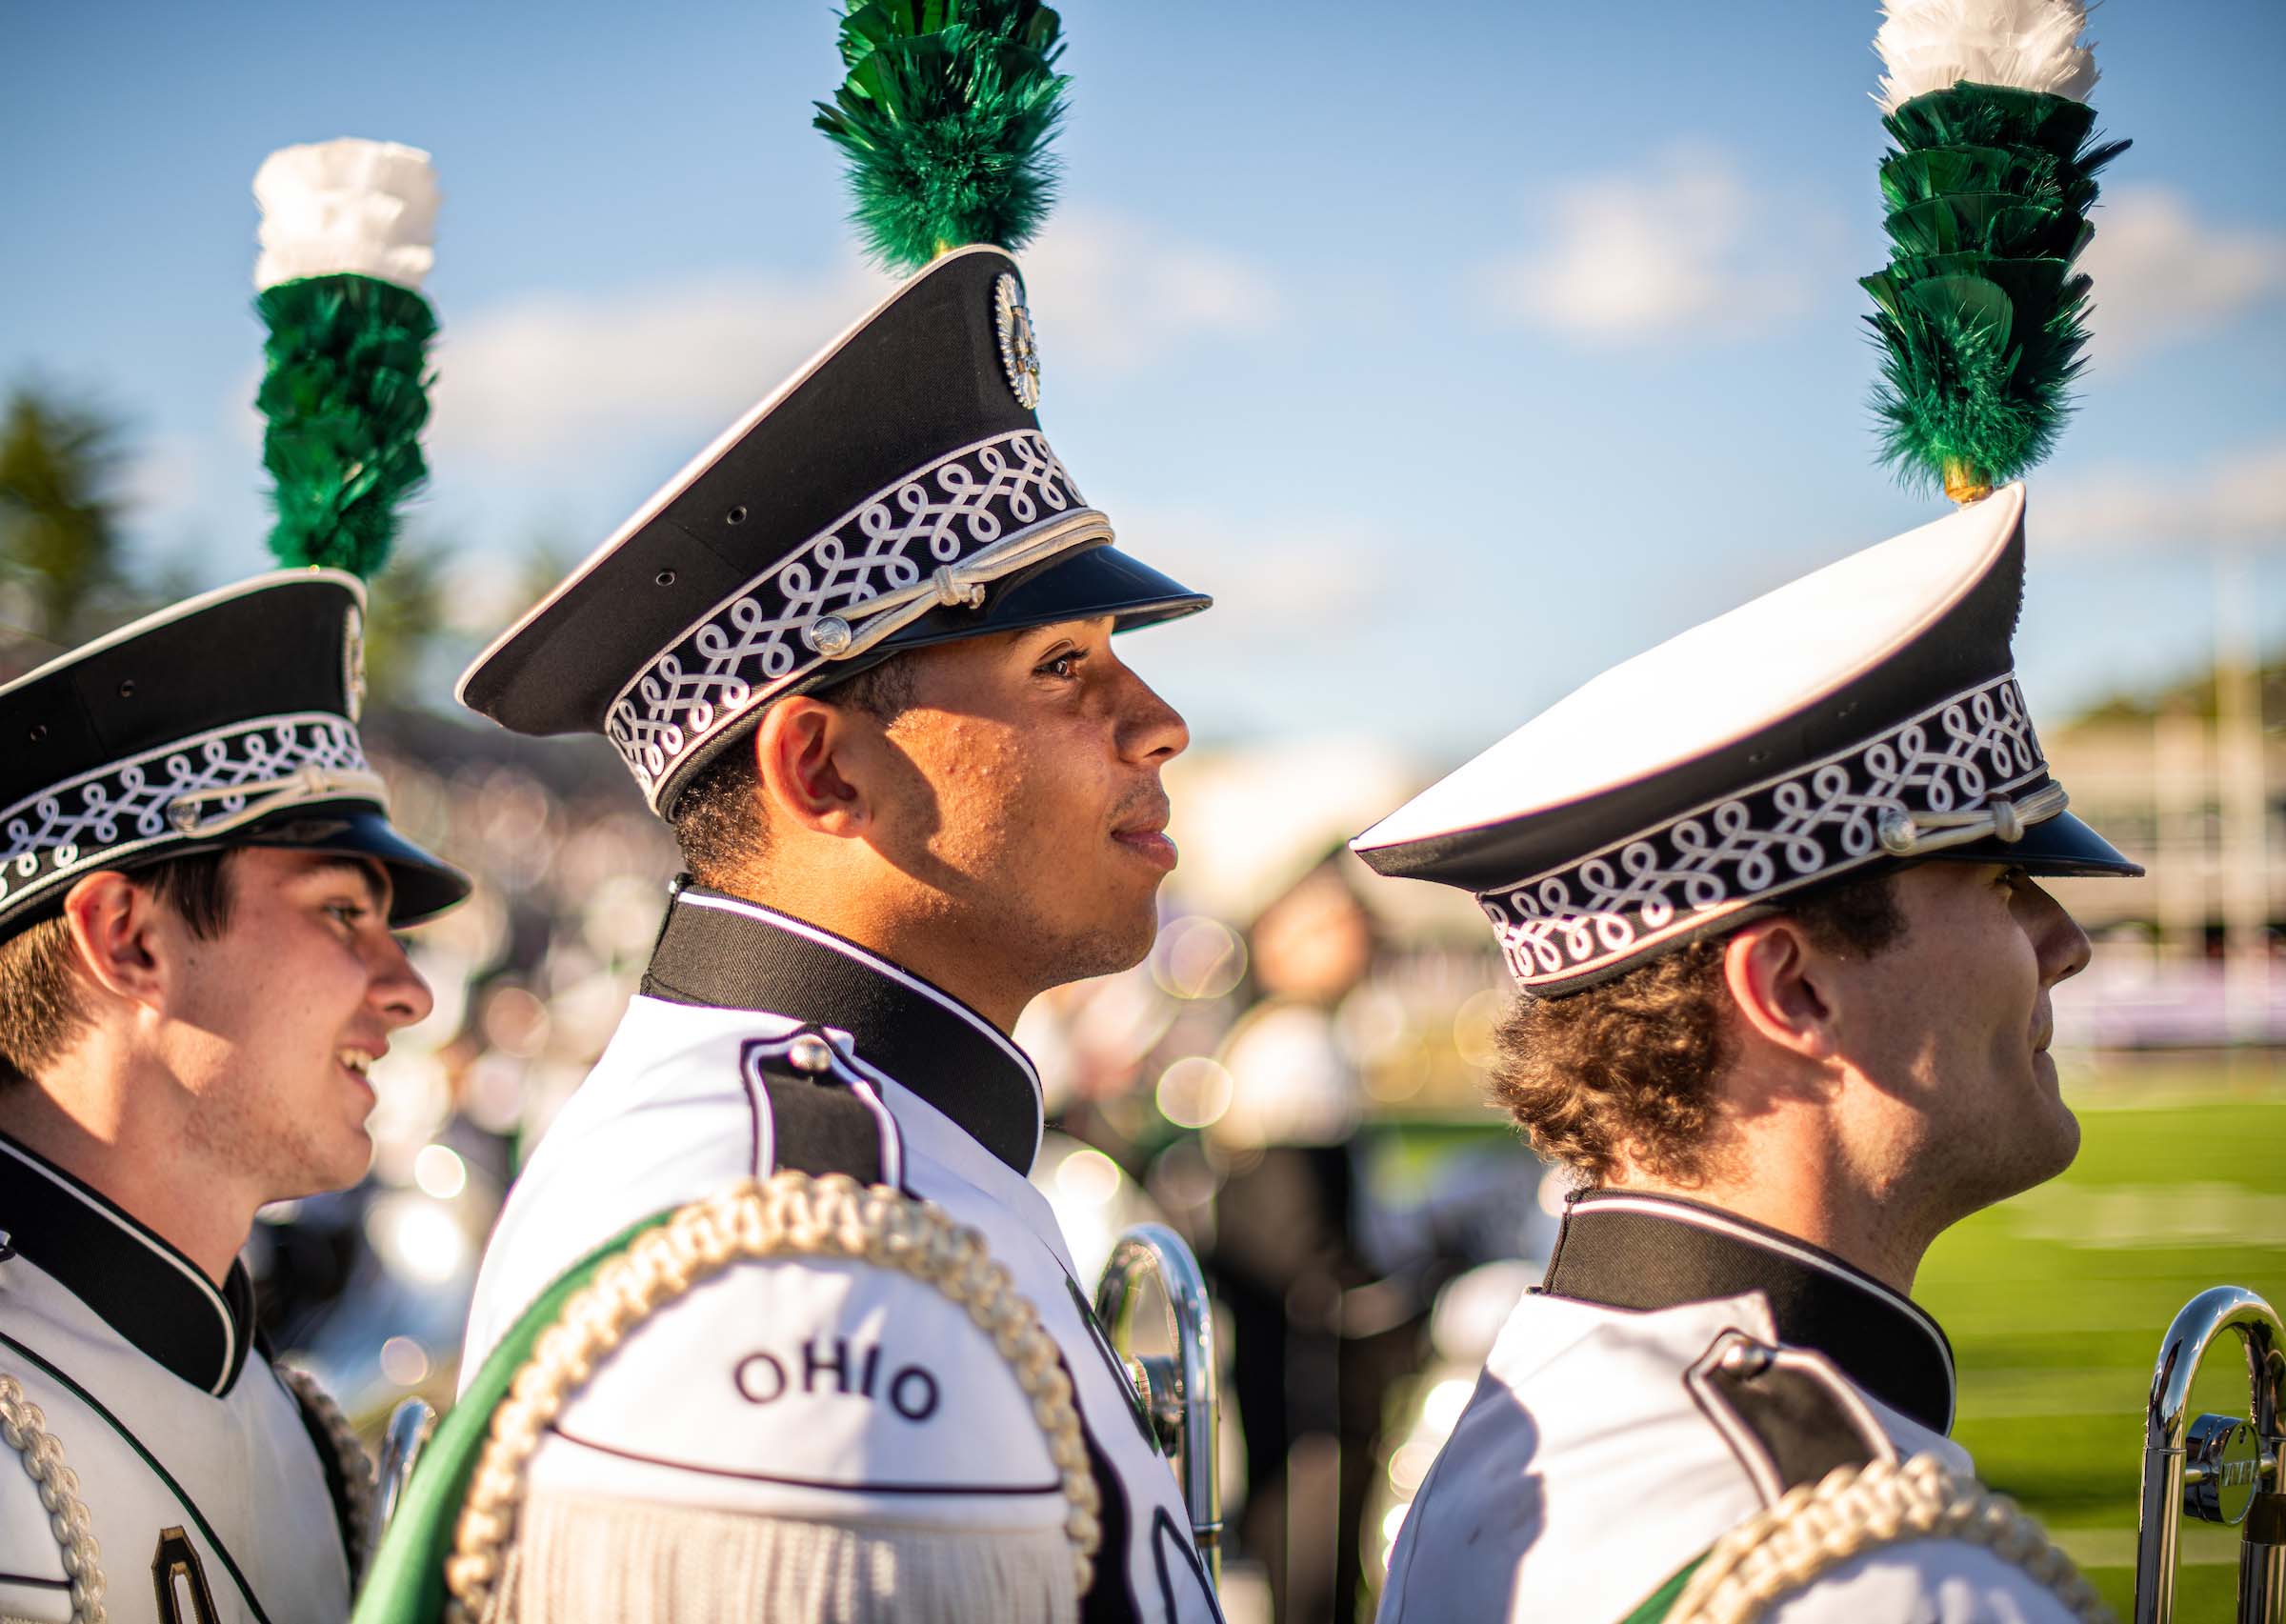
(1020, 349)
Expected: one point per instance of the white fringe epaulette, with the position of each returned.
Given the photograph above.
(590, 1560)
(2029, 44)
(364, 207)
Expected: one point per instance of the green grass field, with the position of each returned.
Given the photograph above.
(2055, 1303)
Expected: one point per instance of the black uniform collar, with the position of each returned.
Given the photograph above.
(142, 1288)
(1654, 1251)
(725, 953)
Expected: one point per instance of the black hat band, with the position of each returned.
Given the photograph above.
(1940, 779)
(938, 536)
(181, 793)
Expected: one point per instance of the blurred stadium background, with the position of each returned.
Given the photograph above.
(1294, 1080)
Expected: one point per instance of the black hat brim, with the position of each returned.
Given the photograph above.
(1077, 586)
(1086, 584)
(421, 886)
(2054, 845)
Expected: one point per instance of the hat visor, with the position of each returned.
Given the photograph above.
(421, 886)
(1087, 584)
(2059, 845)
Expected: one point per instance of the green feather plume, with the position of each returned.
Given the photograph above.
(1979, 313)
(945, 119)
(346, 388)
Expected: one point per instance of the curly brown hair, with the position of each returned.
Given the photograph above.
(1626, 1070)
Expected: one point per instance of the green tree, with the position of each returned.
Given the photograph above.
(405, 608)
(60, 509)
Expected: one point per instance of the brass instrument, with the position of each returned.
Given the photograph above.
(1177, 1391)
(2218, 1468)
(402, 1439)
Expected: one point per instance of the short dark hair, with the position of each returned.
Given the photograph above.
(719, 823)
(1626, 1070)
(40, 1010)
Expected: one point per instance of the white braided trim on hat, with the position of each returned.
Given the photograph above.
(192, 788)
(940, 536)
(790, 1215)
(1816, 1528)
(1939, 779)
(24, 1429)
(349, 1453)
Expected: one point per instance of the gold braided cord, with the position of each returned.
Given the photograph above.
(349, 1453)
(24, 1428)
(790, 1215)
(1816, 1528)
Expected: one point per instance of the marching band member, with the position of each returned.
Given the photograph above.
(1772, 894)
(199, 888)
(859, 655)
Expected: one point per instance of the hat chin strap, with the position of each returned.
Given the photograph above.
(1917, 834)
(266, 796)
(953, 586)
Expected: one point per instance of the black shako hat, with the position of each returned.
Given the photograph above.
(895, 492)
(1866, 715)
(229, 720)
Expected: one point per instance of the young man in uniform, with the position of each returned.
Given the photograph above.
(895, 860)
(859, 655)
(198, 890)
(1771, 891)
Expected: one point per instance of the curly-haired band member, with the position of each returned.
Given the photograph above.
(1772, 895)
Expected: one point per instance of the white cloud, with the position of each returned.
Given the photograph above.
(164, 482)
(1681, 248)
(2237, 500)
(2163, 274)
(561, 372)
(1291, 575)
(1116, 293)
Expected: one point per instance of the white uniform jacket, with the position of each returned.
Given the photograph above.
(814, 1390)
(211, 1497)
(1604, 1449)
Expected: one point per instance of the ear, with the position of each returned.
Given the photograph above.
(802, 757)
(1779, 981)
(115, 935)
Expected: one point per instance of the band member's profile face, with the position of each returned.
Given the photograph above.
(282, 1014)
(1034, 802)
(1954, 1024)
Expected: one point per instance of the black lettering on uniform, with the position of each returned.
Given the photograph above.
(180, 1579)
(838, 1363)
(921, 1409)
(872, 1366)
(747, 1377)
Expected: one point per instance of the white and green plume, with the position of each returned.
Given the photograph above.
(347, 228)
(1981, 312)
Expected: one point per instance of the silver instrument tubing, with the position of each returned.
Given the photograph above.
(410, 1426)
(2216, 1468)
(1178, 1393)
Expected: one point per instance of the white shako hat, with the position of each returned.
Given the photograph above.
(229, 720)
(1865, 715)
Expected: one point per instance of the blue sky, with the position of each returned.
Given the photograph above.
(1461, 359)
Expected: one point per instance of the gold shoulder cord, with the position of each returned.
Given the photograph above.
(1816, 1528)
(24, 1428)
(789, 1215)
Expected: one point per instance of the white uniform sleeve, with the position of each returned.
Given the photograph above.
(1926, 1581)
(824, 1439)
